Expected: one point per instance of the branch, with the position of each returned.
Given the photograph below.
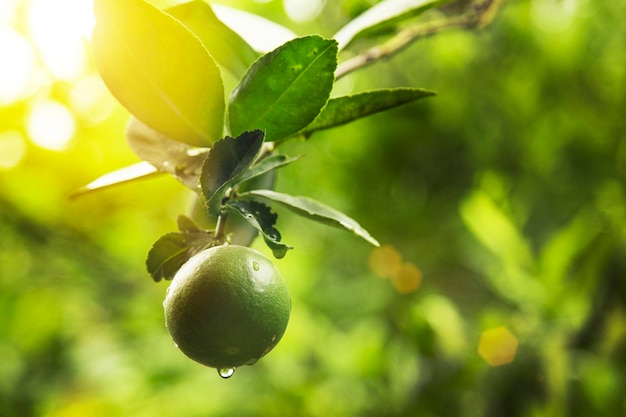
(479, 14)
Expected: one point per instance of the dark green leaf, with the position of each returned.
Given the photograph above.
(229, 158)
(159, 70)
(266, 165)
(227, 47)
(285, 89)
(314, 210)
(345, 109)
(383, 15)
(172, 250)
(261, 217)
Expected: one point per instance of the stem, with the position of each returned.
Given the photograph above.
(220, 227)
(479, 13)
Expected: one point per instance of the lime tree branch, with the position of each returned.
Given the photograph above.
(478, 14)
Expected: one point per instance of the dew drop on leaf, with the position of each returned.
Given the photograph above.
(226, 372)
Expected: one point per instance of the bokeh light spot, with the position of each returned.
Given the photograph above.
(59, 30)
(14, 78)
(50, 125)
(408, 278)
(385, 261)
(498, 346)
(12, 149)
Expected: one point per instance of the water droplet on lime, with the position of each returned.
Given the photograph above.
(255, 265)
(226, 372)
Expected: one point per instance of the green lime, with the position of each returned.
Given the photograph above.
(227, 306)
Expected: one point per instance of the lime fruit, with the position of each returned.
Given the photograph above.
(227, 306)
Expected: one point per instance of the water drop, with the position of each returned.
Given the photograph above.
(255, 265)
(226, 372)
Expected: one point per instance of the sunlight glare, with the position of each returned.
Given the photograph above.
(50, 125)
(15, 78)
(7, 11)
(59, 30)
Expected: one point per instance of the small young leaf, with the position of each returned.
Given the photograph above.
(314, 210)
(186, 225)
(182, 161)
(345, 109)
(227, 47)
(285, 89)
(266, 165)
(229, 158)
(384, 14)
(172, 250)
(260, 217)
(159, 70)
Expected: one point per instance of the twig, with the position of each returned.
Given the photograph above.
(478, 14)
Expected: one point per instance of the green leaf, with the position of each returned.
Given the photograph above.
(229, 158)
(159, 70)
(172, 250)
(383, 15)
(314, 210)
(266, 165)
(261, 217)
(285, 89)
(227, 47)
(345, 109)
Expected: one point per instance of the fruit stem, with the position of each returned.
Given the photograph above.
(220, 226)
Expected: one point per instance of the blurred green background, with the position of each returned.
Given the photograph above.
(501, 204)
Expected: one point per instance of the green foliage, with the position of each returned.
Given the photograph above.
(279, 95)
(285, 89)
(260, 217)
(159, 70)
(313, 210)
(228, 160)
(224, 45)
(172, 250)
(346, 109)
(266, 165)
